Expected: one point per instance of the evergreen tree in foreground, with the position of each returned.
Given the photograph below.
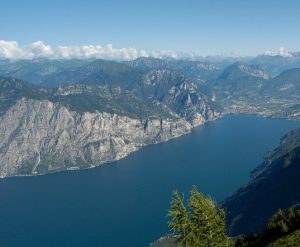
(202, 224)
(283, 222)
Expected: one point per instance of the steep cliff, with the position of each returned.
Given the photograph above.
(80, 126)
(176, 92)
(39, 136)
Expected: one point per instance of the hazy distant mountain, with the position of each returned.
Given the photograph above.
(98, 72)
(37, 70)
(235, 87)
(245, 89)
(296, 54)
(148, 63)
(199, 69)
(240, 80)
(199, 72)
(238, 69)
(284, 86)
(276, 64)
(169, 87)
(80, 98)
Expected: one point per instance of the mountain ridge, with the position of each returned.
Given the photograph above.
(46, 130)
(274, 185)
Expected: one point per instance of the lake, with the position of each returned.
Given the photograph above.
(125, 203)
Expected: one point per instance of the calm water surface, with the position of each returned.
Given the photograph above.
(125, 203)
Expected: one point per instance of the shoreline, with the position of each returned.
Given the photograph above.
(220, 116)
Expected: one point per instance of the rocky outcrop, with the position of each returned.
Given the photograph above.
(253, 70)
(39, 136)
(177, 93)
(81, 126)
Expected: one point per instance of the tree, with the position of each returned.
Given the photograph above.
(203, 225)
(180, 222)
(278, 223)
(283, 222)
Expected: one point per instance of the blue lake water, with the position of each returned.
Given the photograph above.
(125, 203)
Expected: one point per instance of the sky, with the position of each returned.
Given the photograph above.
(152, 27)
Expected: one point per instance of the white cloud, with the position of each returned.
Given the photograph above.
(10, 49)
(38, 49)
(279, 52)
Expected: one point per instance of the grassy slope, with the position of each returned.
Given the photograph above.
(290, 240)
(293, 239)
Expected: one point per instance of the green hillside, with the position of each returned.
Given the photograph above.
(82, 98)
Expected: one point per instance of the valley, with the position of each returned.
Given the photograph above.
(155, 99)
(75, 115)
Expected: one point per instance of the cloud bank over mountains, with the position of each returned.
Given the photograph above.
(13, 50)
(38, 49)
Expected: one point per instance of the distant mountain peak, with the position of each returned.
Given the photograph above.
(13, 83)
(255, 71)
(281, 51)
(250, 70)
(147, 63)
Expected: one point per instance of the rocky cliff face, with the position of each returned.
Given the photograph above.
(253, 70)
(177, 93)
(83, 125)
(39, 136)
